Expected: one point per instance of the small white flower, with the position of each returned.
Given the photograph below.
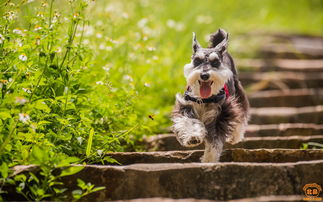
(37, 27)
(80, 140)
(17, 31)
(106, 68)
(171, 23)
(19, 42)
(147, 85)
(101, 46)
(98, 35)
(151, 48)
(99, 83)
(24, 117)
(155, 57)
(204, 19)
(88, 30)
(23, 57)
(1, 39)
(100, 152)
(99, 23)
(58, 50)
(41, 15)
(27, 90)
(21, 100)
(178, 26)
(86, 41)
(142, 23)
(11, 15)
(125, 15)
(127, 78)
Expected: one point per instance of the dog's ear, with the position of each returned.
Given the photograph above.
(219, 40)
(195, 43)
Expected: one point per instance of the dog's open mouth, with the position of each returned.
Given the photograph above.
(205, 88)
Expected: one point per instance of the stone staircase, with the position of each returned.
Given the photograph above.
(286, 95)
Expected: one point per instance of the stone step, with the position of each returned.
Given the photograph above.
(229, 155)
(214, 181)
(276, 115)
(168, 142)
(278, 80)
(284, 129)
(293, 198)
(281, 65)
(286, 98)
(291, 51)
(290, 142)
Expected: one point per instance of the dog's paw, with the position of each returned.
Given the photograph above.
(189, 132)
(233, 140)
(192, 141)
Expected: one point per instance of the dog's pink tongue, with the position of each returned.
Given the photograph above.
(205, 89)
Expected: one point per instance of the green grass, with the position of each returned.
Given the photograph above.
(80, 78)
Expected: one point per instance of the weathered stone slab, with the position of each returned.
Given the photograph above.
(291, 142)
(291, 51)
(291, 198)
(279, 80)
(276, 115)
(126, 158)
(284, 129)
(281, 65)
(219, 181)
(229, 155)
(286, 98)
(168, 142)
(164, 200)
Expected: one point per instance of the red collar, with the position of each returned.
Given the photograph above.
(226, 90)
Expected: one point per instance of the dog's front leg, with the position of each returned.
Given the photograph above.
(189, 132)
(212, 151)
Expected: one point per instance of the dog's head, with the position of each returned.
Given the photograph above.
(208, 72)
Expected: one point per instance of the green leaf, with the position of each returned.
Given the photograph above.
(4, 170)
(41, 105)
(111, 160)
(89, 143)
(97, 189)
(4, 115)
(77, 194)
(38, 155)
(71, 170)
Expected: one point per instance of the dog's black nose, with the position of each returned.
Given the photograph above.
(205, 76)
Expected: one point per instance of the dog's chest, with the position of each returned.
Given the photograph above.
(206, 112)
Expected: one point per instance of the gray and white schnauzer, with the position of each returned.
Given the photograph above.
(214, 108)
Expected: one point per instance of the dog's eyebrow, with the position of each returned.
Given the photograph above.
(213, 56)
(200, 55)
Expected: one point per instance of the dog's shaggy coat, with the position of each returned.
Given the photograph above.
(197, 119)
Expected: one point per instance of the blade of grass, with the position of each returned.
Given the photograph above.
(89, 143)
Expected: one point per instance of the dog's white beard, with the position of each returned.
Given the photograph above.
(219, 78)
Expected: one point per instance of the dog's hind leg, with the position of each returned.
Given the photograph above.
(220, 129)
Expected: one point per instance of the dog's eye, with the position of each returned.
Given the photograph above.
(197, 61)
(215, 63)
